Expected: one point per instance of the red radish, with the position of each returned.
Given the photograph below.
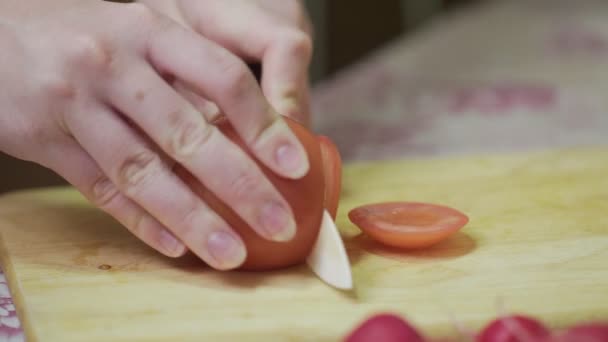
(514, 328)
(384, 327)
(587, 332)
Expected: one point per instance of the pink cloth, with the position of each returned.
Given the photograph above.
(505, 76)
(10, 327)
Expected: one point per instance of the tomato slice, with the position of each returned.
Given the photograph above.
(332, 169)
(407, 224)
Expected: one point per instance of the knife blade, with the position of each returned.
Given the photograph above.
(328, 258)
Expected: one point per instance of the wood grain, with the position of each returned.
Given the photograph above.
(537, 241)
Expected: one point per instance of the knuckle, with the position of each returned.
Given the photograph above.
(135, 222)
(136, 170)
(244, 186)
(189, 223)
(196, 221)
(302, 17)
(296, 6)
(104, 192)
(297, 9)
(237, 79)
(187, 136)
(300, 43)
(136, 225)
(33, 132)
(41, 134)
(58, 88)
(90, 51)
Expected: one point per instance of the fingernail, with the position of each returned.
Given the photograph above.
(291, 160)
(170, 243)
(277, 222)
(225, 249)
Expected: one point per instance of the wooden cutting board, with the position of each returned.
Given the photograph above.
(537, 242)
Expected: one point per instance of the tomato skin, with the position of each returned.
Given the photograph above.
(585, 332)
(385, 327)
(407, 224)
(513, 328)
(304, 195)
(332, 166)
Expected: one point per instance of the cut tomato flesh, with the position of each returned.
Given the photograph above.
(332, 169)
(408, 224)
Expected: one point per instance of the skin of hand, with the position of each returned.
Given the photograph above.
(281, 42)
(87, 92)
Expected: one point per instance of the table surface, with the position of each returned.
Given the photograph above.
(500, 77)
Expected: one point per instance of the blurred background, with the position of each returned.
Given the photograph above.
(346, 32)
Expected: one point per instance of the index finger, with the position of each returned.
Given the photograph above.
(281, 41)
(225, 79)
(285, 78)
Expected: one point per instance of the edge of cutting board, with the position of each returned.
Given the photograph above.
(441, 161)
(15, 286)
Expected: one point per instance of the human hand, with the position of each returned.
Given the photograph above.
(85, 92)
(276, 34)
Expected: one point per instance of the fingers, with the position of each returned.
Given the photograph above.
(79, 169)
(208, 109)
(285, 80)
(138, 172)
(281, 41)
(225, 80)
(217, 162)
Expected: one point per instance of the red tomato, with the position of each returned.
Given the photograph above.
(332, 165)
(407, 224)
(305, 195)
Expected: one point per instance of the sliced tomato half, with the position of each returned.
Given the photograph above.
(332, 166)
(408, 224)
